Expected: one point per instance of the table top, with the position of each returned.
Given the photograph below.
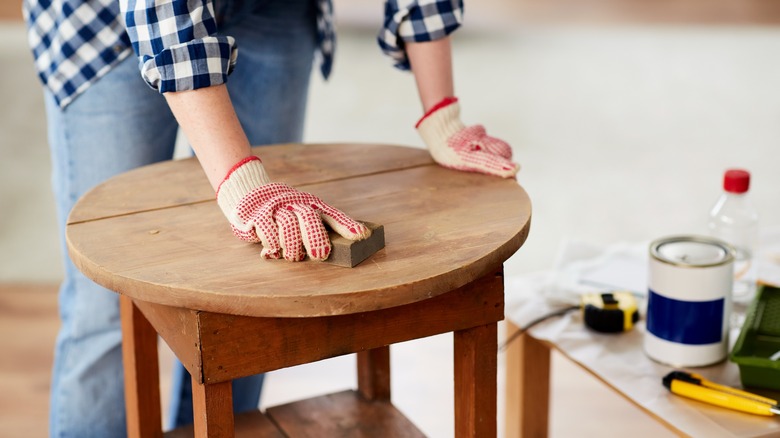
(156, 233)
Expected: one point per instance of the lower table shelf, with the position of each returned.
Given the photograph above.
(342, 414)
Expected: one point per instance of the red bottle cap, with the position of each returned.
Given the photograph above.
(736, 181)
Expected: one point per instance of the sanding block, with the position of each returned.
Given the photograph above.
(350, 253)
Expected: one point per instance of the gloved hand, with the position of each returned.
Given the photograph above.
(456, 146)
(280, 217)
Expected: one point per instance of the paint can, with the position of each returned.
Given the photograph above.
(689, 300)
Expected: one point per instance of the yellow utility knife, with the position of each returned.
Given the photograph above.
(698, 388)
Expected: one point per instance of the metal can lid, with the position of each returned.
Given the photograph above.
(692, 251)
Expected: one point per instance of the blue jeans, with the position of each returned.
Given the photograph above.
(118, 124)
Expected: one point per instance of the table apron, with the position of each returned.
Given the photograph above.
(220, 347)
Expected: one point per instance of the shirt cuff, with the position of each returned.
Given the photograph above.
(199, 63)
(417, 21)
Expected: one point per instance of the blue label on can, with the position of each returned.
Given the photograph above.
(685, 322)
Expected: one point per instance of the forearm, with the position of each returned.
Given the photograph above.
(210, 123)
(197, 94)
(431, 63)
(287, 222)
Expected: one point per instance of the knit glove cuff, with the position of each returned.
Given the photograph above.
(441, 122)
(247, 175)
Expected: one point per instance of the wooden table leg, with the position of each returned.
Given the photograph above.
(212, 406)
(374, 373)
(475, 381)
(528, 386)
(142, 373)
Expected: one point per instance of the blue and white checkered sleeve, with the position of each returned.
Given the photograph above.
(416, 21)
(176, 43)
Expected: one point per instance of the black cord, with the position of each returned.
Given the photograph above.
(520, 331)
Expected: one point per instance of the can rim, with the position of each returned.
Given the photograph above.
(656, 244)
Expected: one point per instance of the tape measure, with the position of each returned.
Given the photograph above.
(611, 312)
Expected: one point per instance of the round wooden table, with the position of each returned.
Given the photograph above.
(156, 236)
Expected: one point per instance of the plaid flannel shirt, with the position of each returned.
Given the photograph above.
(417, 21)
(75, 42)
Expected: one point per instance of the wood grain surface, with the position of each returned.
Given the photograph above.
(157, 235)
(252, 424)
(343, 414)
(142, 373)
(218, 347)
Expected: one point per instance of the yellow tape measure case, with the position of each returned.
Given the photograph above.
(612, 312)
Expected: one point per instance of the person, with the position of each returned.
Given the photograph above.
(104, 118)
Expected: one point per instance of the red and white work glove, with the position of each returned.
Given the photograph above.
(458, 147)
(284, 220)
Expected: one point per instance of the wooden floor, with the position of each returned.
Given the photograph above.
(28, 328)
